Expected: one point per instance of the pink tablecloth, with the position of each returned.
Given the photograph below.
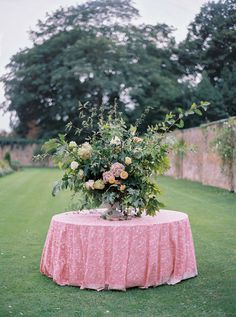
(87, 251)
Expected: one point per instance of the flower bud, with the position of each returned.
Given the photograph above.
(128, 160)
(72, 144)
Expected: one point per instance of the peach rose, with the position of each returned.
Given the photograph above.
(124, 175)
(122, 187)
(111, 180)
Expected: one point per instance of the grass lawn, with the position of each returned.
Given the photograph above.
(26, 208)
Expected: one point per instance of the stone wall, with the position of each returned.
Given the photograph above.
(203, 164)
(21, 153)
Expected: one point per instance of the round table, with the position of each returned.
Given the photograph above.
(87, 251)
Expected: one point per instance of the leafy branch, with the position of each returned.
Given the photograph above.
(177, 120)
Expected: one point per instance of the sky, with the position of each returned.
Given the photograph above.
(17, 17)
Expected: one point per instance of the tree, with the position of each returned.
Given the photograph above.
(214, 96)
(209, 51)
(228, 87)
(92, 53)
(210, 44)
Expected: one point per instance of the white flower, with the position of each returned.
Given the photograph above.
(74, 165)
(87, 145)
(85, 151)
(128, 160)
(115, 141)
(72, 144)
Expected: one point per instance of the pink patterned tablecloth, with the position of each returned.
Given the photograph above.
(87, 251)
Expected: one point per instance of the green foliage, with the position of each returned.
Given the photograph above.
(180, 147)
(12, 165)
(7, 157)
(218, 110)
(227, 86)
(113, 164)
(5, 168)
(16, 141)
(224, 144)
(209, 53)
(210, 43)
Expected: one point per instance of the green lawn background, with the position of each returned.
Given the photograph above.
(26, 208)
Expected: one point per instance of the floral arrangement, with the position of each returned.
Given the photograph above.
(115, 166)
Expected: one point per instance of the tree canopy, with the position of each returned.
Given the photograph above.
(96, 53)
(209, 50)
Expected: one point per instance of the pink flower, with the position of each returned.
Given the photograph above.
(106, 176)
(89, 184)
(117, 168)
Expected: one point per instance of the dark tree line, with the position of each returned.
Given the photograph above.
(95, 53)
